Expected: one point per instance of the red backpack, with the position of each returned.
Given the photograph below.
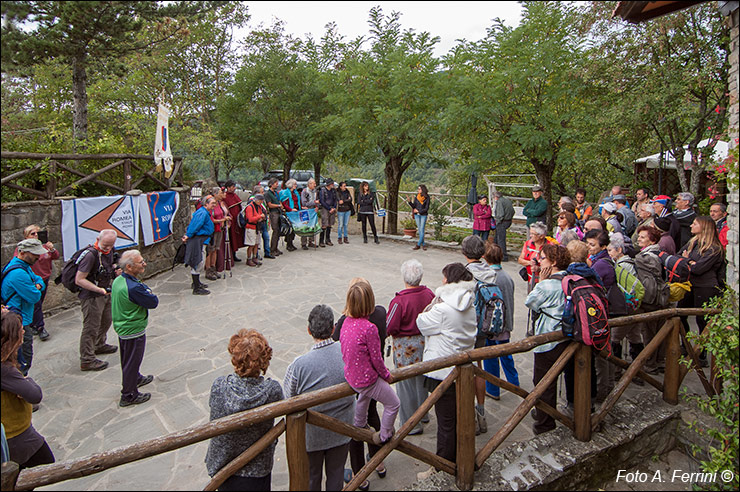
(585, 317)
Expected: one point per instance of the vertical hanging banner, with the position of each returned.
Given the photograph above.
(162, 152)
(157, 212)
(84, 218)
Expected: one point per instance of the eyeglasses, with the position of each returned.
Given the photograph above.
(35, 233)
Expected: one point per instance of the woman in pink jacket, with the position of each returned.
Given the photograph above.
(482, 218)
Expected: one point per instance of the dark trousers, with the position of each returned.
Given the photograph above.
(357, 448)
(38, 312)
(696, 298)
(25, 352)
(446, 411)
(543, 361)
(43, 456)
(332, 460)
(365, 218)
(570, 372)
(132, 353)
(275, 226)
(500, 236)
(237, 483)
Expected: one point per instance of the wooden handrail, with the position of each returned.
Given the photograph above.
(73, 157)
(21, 173)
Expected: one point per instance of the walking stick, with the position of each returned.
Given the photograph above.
(227, 251)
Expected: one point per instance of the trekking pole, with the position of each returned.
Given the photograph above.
(227, 251)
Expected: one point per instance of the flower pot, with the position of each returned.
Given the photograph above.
(409, 232)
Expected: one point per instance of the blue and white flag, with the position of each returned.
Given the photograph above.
(157, 212)
(84, 218)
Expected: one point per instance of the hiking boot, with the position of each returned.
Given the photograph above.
(322, 245)
(346, 241)
(200, 284)
(329, 243)
(424, 247)
(144, 381)
(143, 397)
(201, 291)
(480, 419)
(364, 240)
(377, 241)
(106, 349)
(251, 262)
(416, 247)
(211, 275)
(96, 365)
(43, 334)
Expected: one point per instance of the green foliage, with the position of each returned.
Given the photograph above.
(439, 219)
(720, 338)
(408, 223)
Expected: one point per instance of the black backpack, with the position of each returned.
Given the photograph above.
(179, 256)
(69, 271)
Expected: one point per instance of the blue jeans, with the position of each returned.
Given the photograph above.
(491, 367)
(421, 222)
(483, 234)
(342, 226)
(265, 238)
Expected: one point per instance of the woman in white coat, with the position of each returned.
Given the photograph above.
(449, 327)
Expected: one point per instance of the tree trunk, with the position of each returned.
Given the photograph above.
(213, 170)
(678, 154)
(544, 177)
(321, 154)
(697, 170)
(79, 96)
(393, 173)
(290, 154)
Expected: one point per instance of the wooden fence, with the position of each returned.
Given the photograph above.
(296, 411)
(59, 185)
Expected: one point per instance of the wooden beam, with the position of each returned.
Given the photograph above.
(9, 475)
(30, 191)
(248, 455)
(642, 374)
(23, 172)
(465, 449)
(295, 450)
(695, 363)
(91, 177)
(582, 393)
(671, 379)
(73, 157)
(97, 181)
(524, 407)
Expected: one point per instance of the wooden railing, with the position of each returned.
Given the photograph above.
(296, 412)
(53, 164)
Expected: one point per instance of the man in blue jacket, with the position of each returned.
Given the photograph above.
(21, 290)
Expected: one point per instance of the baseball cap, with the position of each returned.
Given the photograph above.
(537, 188)
(259, 196)
(31, 246)
(609, 207)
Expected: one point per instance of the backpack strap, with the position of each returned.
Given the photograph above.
(6, 271)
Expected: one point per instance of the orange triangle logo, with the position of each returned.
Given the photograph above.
(101, 220)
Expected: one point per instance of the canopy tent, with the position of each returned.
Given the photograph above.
(669, 162)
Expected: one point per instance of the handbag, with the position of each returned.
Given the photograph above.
(523, 273)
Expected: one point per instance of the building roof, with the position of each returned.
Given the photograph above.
(636, 12)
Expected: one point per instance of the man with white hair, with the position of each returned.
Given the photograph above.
(95, 272)
(408, 342)
(646, 216)
(131, 301)
(685, 215)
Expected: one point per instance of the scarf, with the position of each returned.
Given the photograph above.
(584, 271)
(420, 197)
(100, 250)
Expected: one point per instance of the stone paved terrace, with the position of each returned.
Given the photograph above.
(187, 350)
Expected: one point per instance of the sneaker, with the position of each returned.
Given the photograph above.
(416, 431)
(34, 331)
(43, 334)
(322, 245)
(304, 247)
(329, 243)
(424, 247)
(364, 240)
(481, 420)
(377, 241)
(144, 381)
(426, 474)
(237, 259)
(96, 365)
(270, 256)
(251, 262)
(106, 349)
(143, 397)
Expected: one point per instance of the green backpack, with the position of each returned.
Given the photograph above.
(631, 287)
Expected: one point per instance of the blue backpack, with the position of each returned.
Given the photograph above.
(489, 309)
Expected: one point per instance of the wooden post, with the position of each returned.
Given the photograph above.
(295, 450)
(582, 394)
(126, 175)
(672, 377)
(10, 472)
(465, 455)
(51, 185)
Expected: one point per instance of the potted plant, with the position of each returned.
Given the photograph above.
(409, 226)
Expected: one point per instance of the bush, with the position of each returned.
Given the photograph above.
(720, 338)
(439, 219)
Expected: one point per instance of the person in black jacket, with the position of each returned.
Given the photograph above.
(344, 210)
(366, 210)
(705, 254)
(685, 216)
(420, 204)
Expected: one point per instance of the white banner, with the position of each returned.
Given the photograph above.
(162, 152)
(157, 212)
(84, 218)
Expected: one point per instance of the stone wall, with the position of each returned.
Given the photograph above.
(47, 214)
(733, 235)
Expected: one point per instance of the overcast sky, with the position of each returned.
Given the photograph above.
(448, 20)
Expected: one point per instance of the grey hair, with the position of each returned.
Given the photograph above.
(310, 179)
(497, 194)
(107, 232)
(539, 228)
(684, 195)
(566, 199)
(648, 207)
(215, 190)
(321, 322)
(290, 183)
(204, 200)
(258, 189)
(412, 272)
(722, 206)
(127, 258)
(473, 247)
(567, 237)
(616, 242)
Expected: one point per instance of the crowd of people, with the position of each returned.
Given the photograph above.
(594, 242)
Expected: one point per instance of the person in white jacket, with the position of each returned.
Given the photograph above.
(449, 327)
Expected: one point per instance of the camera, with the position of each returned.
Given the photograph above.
(108, 289)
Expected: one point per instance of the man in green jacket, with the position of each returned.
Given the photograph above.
(131, 300)
(536, 209)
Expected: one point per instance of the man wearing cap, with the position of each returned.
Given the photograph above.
(328, 200)
(609, 214)
(662, 206)
(254, 215)
(131, 301)
(21, 290)
(685, 216)
(629, 220)
(536, 209)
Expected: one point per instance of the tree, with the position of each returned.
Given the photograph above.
(389, 100)
(82, 34)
